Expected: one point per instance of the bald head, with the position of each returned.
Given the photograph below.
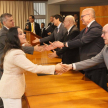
(69, 21)
(105, 34)
(87, 16)
(90, 11)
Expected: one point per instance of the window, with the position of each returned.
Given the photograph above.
(40, 12)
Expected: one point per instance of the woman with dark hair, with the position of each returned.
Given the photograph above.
(14, 62)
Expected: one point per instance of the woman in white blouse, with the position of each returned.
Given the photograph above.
(15, 63)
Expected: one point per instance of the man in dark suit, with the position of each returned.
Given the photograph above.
(43, 31)
(90, 43)
(68, 55)
(58, 33)
(50, 28)
(33, 26)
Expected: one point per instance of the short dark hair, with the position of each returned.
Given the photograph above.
(32, 16)
(57, 16)
(3, 16)
(42, 23)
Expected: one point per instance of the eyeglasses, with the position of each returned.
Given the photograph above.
(103, 32)
(84, 15)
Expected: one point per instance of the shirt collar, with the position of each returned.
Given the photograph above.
(90, 23)
(69, 29)
(59, 26)
(6, 27)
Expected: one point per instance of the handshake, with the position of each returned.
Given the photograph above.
(45, 47)
(61, 68)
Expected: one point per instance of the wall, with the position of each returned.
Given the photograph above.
(52, 10)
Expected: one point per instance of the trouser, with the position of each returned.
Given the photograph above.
(99, 76)
(1, 103)
(12, 103)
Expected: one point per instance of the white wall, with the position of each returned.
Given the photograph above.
(52, 10)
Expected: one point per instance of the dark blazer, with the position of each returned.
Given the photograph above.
(90, 43)
(50, 27)
(37, 28)
(43, 33)
(69, 55)
(3, 33)
(55, 36)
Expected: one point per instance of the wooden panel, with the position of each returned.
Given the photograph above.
(69, 90)
(79, 99)
(101, 14)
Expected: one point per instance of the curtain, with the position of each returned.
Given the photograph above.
(20, 11)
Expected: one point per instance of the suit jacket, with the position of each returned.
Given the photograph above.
(55, 36)
(37, 28)
(90, 43)
(15, 64)
(3, 33)
(69, 55)
(50, 27)
(99, 58)
(43, 33)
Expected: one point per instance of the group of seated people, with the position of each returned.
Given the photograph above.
(80, 50)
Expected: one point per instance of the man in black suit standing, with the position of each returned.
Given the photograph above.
(33, 26)
(51, 26)
(68, 55)
(90, 44)
(43, 31)
(58, 33)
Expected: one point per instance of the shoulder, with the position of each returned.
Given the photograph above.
(14, 52)
(95, 25)
(75, 29)
(36, 23)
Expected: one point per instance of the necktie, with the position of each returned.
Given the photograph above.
(32, 28)
(57, 30)
(86, 29)
(67, 33)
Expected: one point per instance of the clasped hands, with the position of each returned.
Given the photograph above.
(61, 68)
(52, 46)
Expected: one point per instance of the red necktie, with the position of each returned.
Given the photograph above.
(86, 29)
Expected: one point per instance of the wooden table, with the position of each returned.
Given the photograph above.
(69, 90)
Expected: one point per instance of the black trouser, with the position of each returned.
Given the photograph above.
(99, 76)
(1, 103)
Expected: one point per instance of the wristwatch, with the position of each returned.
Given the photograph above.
(64, 44)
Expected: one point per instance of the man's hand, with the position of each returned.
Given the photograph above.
(57, 44)
(67, 66)
(61, 68)
(49, 33)
(36, 41)
(39, 48)
(52, 55)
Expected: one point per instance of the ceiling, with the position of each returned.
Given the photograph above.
(79, 2)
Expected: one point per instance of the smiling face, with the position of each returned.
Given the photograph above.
(105, 34)
(21, 36)
(85, 17)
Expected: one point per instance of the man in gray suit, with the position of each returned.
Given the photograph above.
(102, 57)
(58, 33)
